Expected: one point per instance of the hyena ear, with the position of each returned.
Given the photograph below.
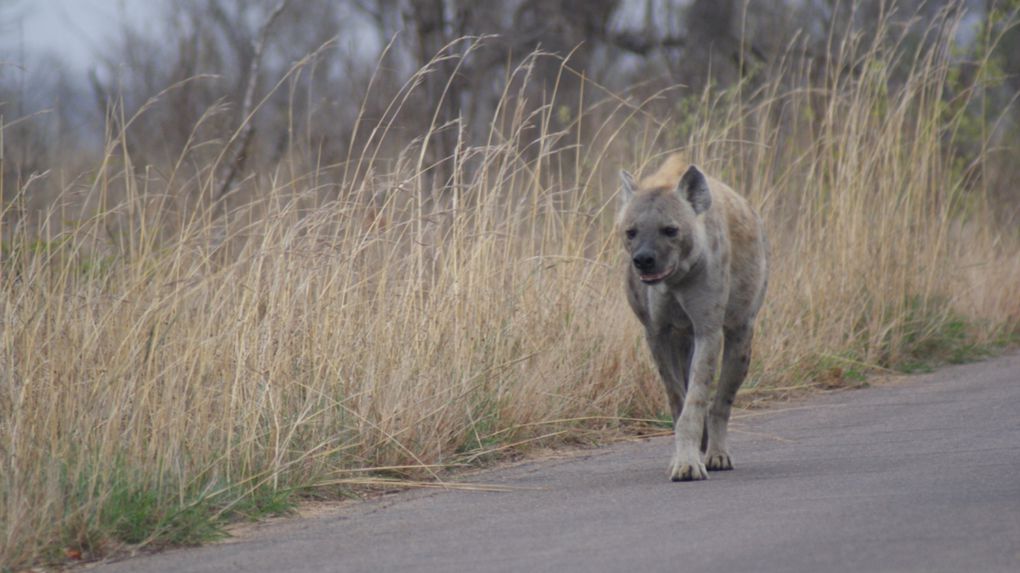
(627, 189)
(694, 188)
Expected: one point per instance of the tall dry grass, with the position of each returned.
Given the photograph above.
(167, 357)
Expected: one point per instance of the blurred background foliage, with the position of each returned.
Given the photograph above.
(320, 56)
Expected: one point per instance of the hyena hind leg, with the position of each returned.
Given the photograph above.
(736, 358)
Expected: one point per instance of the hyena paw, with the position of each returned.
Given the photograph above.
(690, 469)
(718, 461)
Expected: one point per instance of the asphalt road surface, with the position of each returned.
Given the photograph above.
(921, 474)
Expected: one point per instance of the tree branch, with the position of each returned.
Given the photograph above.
(247, 127)
(641, 44)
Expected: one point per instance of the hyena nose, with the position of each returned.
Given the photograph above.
(644, 262)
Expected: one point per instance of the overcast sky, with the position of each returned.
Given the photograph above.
(71, 29)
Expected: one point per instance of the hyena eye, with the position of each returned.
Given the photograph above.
(670, 231)
(631, 233)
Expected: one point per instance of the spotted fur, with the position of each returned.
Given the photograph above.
(696, 279)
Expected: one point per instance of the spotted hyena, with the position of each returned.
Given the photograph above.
(696, 278)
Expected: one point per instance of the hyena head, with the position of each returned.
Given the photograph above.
(661, 226)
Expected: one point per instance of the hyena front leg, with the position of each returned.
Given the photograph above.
(687, 464)
(736, 358)
(671, 350)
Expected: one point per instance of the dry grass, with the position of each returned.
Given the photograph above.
(165, 357)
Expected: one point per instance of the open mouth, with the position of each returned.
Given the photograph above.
(654, 278)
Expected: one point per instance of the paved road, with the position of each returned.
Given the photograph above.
(918, 475)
